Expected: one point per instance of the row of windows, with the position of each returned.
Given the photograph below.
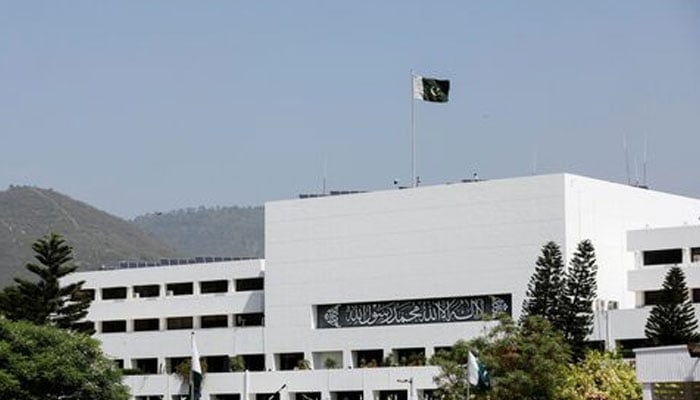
(179, 288)
(423, 394)
(669, 256)
(290, 361)
(654, 297)
(175, 323)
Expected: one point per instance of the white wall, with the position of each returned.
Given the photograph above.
(438, 241)
(604, 212)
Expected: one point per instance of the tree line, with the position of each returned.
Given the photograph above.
(545, 356)
(46, 351)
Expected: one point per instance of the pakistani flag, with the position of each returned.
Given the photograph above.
(430, 89)
(196, 373)
(476, 373)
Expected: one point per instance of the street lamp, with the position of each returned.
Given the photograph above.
(410, 386)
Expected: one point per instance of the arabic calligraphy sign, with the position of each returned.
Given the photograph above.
(422, 311)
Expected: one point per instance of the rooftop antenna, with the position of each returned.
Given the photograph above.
(636, 172)
(644, 164)
(627, 157)
(534, 161)
(325, 173)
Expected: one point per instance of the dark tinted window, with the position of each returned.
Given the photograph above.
(114, 293)
(179, 289)
(243, 285)
(179, 323)
(214, 321)
(113, 326)
(213, 287)
(653, 297)
(147, 291)
(669, 256)
(151, 324)
(250, 319)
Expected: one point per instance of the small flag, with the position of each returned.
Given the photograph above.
(196, 373)
(476, 373)
(430, 89)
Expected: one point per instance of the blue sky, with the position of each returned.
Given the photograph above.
(139, 106)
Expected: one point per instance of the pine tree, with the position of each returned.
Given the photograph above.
(672, 321)
(46, 301)
(545, 291)
(579, 295)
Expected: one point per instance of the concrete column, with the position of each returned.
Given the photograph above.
(429, 352)
(347, 359)
(195, 288)
(270, 362)
(646, 391)
(686, 255)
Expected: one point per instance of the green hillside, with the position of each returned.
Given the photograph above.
(98, 238)
(217, 231)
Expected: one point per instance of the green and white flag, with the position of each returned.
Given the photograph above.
(196, 373)
(476, 373)
(431, 89)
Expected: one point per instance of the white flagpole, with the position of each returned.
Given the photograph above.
(413, 135)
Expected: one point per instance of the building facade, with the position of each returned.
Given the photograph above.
(354, 282)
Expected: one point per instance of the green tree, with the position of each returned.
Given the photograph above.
(46, 301)
(672, 321)
(524, 361)
(601, 376)
(579, 294)
(545, 291)
(47, 363)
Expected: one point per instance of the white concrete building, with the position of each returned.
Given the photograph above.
(349, 280)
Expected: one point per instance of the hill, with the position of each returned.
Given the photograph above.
(98, 238)
(217, 231)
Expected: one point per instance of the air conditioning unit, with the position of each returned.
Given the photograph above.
(613, 305)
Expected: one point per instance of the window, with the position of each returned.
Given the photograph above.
(89, 293)
(114, 326)
(695, 254)
(659, 257)
(307, 396)
(114, 293)
(254, 362)
(289, 361)
(214, 321)
(172, 363)
(218, 363)
(213, 287)
(696, 295)
(147, 291)
(411, 357)
(653, 297)
(445, 349)
(179, 289)
(249, 319)
(267, 396)
(151, 324)
(248, 284)
(368, 358)
(179, 323)
(355, 395)
(146, 365)
(393, 395)
(227, 396)
(119, 363)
